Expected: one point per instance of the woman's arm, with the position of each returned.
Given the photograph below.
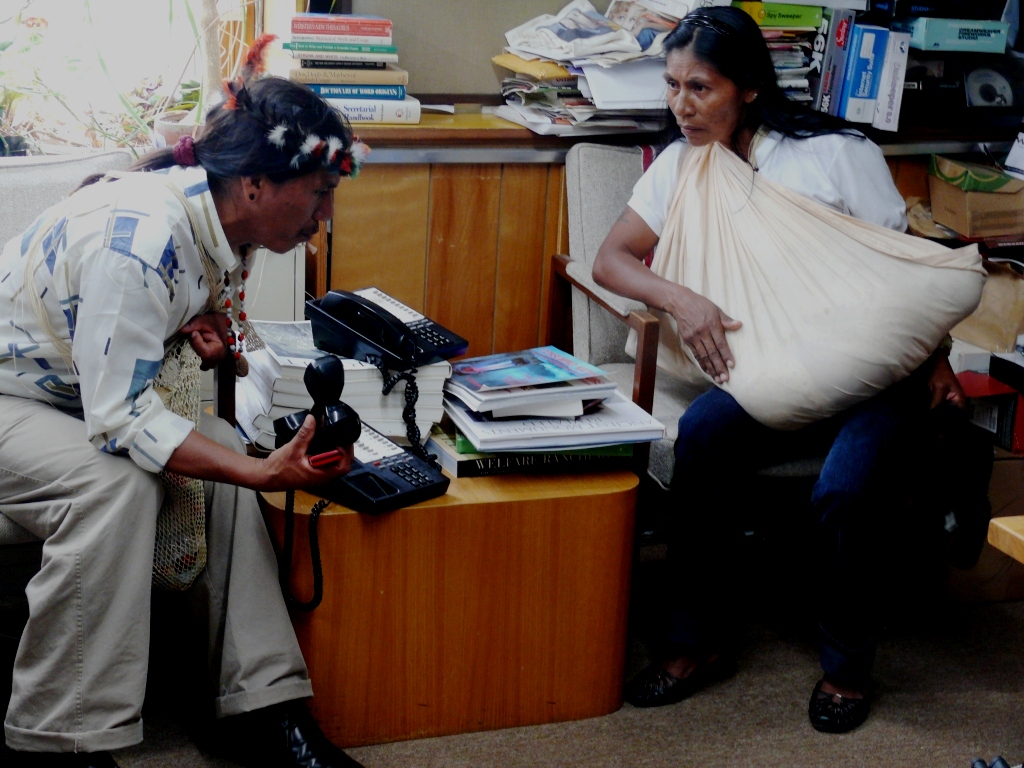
(702, 325)
(285, 469)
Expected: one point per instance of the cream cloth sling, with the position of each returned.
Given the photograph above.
(834, 309)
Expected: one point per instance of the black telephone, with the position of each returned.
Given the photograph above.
(364, 326)
(383, 477)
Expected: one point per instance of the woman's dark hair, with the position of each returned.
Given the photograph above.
(730, 41)
(263, 129)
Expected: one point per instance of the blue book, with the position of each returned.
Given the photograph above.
(331, 91)
(864, 61)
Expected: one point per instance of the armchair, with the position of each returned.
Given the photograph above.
(599, 183)
(28, 185)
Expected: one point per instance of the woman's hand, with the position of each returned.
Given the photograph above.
(288, 467)
(208, 335)
(702, 327)
(944, 386)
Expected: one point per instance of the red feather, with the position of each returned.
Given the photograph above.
(254, 62)
(229, 102)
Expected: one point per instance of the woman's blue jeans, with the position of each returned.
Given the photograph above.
(719, 448)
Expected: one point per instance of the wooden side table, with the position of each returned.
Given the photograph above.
(502, 603)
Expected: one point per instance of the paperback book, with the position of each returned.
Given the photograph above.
(332, 74)
(503, 401)
(341, 91)
(863, 72)
(299, 37)
(344, 24)
(393, 111)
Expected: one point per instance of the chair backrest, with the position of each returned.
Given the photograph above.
(599, 182)
(28, 186)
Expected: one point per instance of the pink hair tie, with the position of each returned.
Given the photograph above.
(184, 151)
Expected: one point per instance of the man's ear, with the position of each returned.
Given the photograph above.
(251, 186)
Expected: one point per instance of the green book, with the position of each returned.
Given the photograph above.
(460, 464)
(462, 445)
(340, 47)
(782, 14)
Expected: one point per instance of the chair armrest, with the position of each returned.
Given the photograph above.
(643, 322)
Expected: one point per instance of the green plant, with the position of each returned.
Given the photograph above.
(20, 40)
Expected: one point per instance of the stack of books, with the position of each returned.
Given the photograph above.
(789, 30)
(352, 62)
(535, 410)
(274, 386)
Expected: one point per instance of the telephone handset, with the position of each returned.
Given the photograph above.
(369, 324)
(383, 476)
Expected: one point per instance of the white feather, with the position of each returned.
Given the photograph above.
(276, 136)
(311, 142)
(359, 152)
(333, 145)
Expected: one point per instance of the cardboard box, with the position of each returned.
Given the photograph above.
(975, 35)
(974, 199)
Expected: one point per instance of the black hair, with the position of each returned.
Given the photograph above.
(729, 40)
(235, 142)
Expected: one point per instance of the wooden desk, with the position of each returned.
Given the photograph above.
(502, 603)
(1007, 535)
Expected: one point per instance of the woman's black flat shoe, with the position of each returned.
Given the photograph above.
(654, 687)
(833, 713)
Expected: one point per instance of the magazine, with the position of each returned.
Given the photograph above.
(530, 367)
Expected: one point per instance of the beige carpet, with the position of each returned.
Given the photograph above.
(949, 675)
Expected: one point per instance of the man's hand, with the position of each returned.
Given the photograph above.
(288, 467)
(944, 386)
(208, 335)
(702, 326)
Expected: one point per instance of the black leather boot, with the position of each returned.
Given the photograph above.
(285, 736)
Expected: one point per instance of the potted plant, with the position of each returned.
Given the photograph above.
(20, 38)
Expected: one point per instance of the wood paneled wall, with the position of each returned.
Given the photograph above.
(466, 244)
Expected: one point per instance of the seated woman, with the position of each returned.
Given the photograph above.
(90, 298)
(722, 88)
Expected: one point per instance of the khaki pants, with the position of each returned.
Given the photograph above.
(80, 670)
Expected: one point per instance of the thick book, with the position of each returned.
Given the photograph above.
(335, 38)
(337, 91)
(458, 464)
(863, 69)
(833, 63)
(782, 14)
(379, 110)
(822, 52)
(617, 420)
(344, 56)
(344, 24)
(303, 47)
(890, 87)
(388, 75)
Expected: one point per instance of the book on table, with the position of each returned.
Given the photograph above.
(444, 444)
(616, 420)
(536, 382)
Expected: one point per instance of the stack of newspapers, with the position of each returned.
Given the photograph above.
(532, 410)
(580, 72)
(274, 386)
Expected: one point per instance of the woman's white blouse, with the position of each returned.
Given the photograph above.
(845, 173)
